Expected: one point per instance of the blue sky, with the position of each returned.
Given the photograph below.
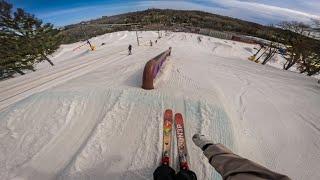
(63, 12)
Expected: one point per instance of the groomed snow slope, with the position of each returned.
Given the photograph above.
(88, 118)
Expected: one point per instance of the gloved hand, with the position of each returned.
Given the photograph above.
(201, 141)
(186, 175)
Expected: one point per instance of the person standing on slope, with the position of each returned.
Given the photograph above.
(129, 49)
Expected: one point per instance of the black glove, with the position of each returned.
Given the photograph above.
(164, 172)
(186, 175)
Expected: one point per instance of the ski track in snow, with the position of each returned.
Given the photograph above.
(123, 37)
(88, 118)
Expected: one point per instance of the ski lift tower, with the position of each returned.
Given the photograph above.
(136, 28)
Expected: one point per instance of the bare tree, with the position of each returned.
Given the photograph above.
(316, 23)
(261, 47)
(295, 43)
(264, 52)
(292, 56)
(310, 59)
(295, 26)
(273, 49)
(315, 29)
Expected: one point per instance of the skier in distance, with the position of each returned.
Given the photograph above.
(129, 49)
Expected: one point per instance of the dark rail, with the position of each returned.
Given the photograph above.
(152, 68)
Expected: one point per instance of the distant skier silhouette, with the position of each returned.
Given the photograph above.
(129, 49)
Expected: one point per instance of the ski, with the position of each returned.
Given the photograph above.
(167, 136)
(181, 141)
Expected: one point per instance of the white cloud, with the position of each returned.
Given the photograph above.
(251, 11)
(243, 9)
(264, 9)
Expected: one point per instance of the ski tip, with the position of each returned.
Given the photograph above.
(178, 115)
(168, 112)
(178, 118)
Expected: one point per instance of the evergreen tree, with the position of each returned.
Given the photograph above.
(25, 40)
(46, 41)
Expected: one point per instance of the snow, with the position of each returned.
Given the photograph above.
(87, 117)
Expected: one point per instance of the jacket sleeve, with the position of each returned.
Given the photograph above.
(233, 167)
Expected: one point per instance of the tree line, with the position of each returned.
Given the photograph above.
(299, 49)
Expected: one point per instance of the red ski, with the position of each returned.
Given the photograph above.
(181, 141)
(167, 137)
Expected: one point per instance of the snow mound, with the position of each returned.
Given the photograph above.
(88, 118)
